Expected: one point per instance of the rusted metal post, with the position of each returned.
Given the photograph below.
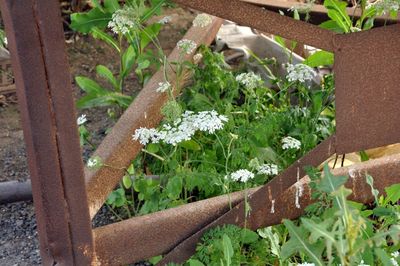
(36, 39)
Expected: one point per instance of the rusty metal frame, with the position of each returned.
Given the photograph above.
(61, 187)
(49, 123)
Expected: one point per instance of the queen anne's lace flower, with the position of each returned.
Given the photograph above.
(187, 46)
(202, 20)
(163, 86)
(123, 20)
(268, 169)
(94, 162)
(395, 254)
(299, 72)
(290, 143)
(249, 80)
(241, 175)
(305, 264)
(81, 120)
(183, 128)
(146, 135)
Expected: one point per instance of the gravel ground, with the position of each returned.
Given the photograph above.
(18, 236)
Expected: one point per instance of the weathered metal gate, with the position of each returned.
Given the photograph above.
(66, 197)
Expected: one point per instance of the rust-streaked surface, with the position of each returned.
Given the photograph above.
(367, 78)
(118, 149)
(261, 19)
(386, 171)
(157, 233)
(36, 39)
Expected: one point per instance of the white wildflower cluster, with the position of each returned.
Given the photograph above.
(299, 72)
(241, 175)
(123, 20)
(290, 143)
(305, 264)
(202, 20)
(94, 162)
(163, 86)
(385, 6)
(268, 169)
(249, 80)
(182, 129)
(187, 46)
(165, 20)
(81, 120)
(146, 135)
(394, 257)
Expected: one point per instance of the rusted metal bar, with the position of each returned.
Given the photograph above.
(386, 171)
(118, 149)
(253, 16)
(36, 39)
(13, 191)
(317, 13)
(367, 89)
(158, 232)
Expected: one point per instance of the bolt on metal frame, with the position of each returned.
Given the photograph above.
(66, 196)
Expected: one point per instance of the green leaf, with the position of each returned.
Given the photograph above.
(297, 242)
(320, 58)
(89, 86)
(364, 156)
(152, 147)
(128, 60)
(227, 249)
(149, 34)
(383, 257)
(143, 64)
(330, 183)
(190, 145)
(106, 73)
(382, 211)
(96, 3)
(131, 169)
(127, 181)
(338, 13)
(155, 260)
(392, 194)
(101, 35)
(273, 239)
(248, 236)
(331, 25)
(85, 22)
(111, 5)
(193, 262)
(174, 187)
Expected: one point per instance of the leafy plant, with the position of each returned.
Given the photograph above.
(344, 232)
(129, 39)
